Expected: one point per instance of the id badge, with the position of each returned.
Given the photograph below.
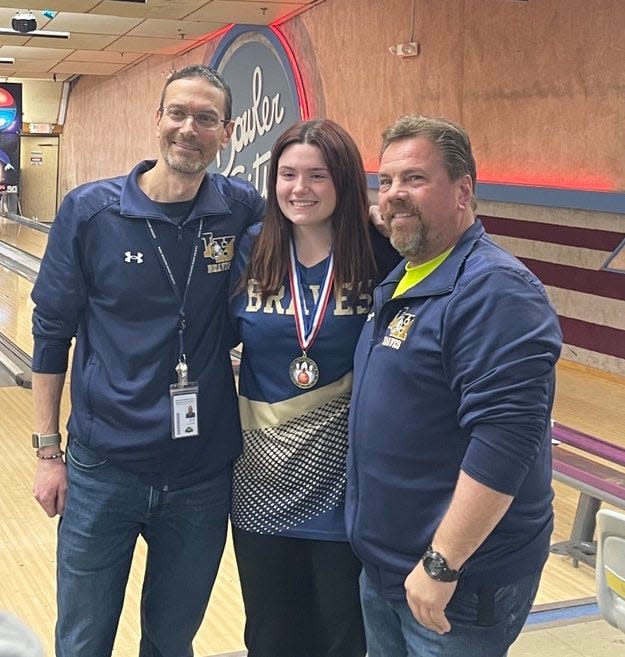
(184, 411)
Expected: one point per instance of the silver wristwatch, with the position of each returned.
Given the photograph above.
(46, 440)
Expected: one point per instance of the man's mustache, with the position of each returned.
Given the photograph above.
(399, 206)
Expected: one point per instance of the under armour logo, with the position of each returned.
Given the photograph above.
(137, 257)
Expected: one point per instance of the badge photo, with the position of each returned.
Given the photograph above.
(184, 421)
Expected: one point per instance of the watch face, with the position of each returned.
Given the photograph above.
(436, 567)
(45, 440)
(433, 566)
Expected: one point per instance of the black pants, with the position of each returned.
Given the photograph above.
(301, 597)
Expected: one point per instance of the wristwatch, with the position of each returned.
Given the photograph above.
(46, 440)
(435, 565)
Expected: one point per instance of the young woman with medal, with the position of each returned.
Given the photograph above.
(302, 285)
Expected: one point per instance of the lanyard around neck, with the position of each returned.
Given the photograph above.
(181, 297)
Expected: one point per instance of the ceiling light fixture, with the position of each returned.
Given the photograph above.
(24, 23)
(7, 31)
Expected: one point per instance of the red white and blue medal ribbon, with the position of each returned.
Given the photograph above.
(303, 371)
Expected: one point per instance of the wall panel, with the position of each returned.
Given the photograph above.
(367, 87)
(111, 122)
(543, 91)
(539, 85)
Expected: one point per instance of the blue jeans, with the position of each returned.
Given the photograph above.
(483, 626)
(105, 511)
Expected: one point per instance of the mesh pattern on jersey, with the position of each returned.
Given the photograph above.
(292, 473)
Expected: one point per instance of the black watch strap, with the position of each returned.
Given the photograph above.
(435, 565)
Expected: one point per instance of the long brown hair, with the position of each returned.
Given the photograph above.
(354, 263)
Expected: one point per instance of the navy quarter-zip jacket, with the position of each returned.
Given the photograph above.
(102, 280)
(456, 373)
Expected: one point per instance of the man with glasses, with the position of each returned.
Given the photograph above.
(136, 268)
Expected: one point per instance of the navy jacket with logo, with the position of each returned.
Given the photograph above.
(456, 373)
(101, 280)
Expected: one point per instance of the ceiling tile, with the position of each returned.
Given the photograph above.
(87, 68)
(36, 65)
(154, 27)
(6, 14)
(80, 6)
(75, 42)
(13, 40)
(150, 45)
(104, 56)
(91, 24)
(29, 52)
(172, 9)
(239, 11)
(57, 77)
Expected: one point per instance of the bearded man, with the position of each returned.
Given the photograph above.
(449, 466)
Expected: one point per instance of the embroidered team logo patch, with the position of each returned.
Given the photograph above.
(398, 329)
(219, 252)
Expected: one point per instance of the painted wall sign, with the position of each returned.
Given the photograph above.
(267, 98)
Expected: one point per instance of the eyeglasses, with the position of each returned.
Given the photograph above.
(203, 120)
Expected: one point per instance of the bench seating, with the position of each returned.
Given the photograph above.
(589, 444)
(595, 481)
(589, 477)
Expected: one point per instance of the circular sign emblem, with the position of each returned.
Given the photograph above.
(265, 100)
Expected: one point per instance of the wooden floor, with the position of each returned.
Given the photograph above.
(590, 401)
(27, 536)
(27, 551)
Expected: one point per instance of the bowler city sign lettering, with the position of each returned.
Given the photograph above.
(264, 101)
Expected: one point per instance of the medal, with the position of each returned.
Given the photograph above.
(303, 371)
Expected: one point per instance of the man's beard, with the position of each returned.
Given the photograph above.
(410, 243)
(184, 164)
